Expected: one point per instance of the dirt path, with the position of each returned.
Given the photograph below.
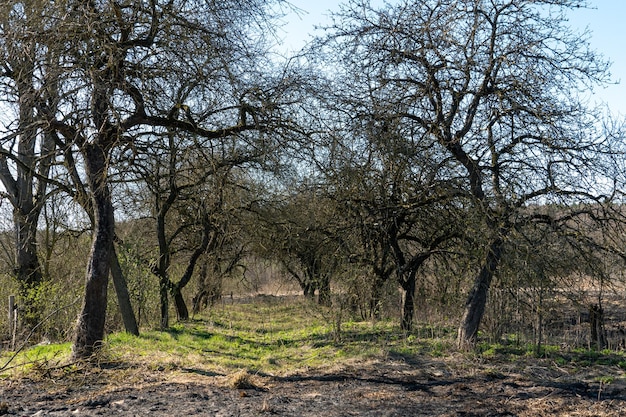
(376, 389)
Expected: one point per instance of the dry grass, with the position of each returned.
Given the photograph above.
(241, 380)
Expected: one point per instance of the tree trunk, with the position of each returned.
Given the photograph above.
(26, 197)
(477, 299)
(308, 289)
(182, 312)
(381, 275)
(324, 295)
(408, 301)
(375, 298)
(123, 298)
(27, 267)
(164, 258)
(539, 322)
(596, 320)
(165, 305)
(209, 288)
(90, 326)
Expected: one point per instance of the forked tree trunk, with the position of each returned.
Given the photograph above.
(477, 299)
(308, 289)
(208, 239)
(408, 301)
(90, 326)
(26, 196)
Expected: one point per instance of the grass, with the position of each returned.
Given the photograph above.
(36, 358)
(261, 337)
(285, 337)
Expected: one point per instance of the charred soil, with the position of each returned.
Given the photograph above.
(379, 388)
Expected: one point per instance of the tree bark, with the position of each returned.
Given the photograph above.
(28, 269)
(26, 195)
(165, 305)
(90, 326)
(596, 320)
(381, 274)
(27, 266)
(324, 295)
(308, 289)
(477, 299)
(123, 297)
(164, 256)
(408, 301)
(182, 312)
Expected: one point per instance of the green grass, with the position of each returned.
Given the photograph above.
(578, 357)
(34, 358)
(287, 336)
(262, 337)
(265, 336)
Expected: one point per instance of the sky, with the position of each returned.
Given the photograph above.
(605, 19)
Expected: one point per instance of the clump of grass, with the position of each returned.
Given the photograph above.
(241, 380)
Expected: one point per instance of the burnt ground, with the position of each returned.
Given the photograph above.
(380, 388)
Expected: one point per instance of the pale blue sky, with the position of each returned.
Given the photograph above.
(606, 21)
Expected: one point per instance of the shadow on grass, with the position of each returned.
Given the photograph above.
(176, 332)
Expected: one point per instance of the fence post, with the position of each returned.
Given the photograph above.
(12, 320)
(11, 313)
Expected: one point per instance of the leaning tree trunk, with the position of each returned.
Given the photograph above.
(477, 299)
(182, 312)
(123, 297)
(90, 326)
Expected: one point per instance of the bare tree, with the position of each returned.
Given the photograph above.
(123, 69)
(188, 187)
(300, 230)
(393, 198)
(491, 90)
(27, 151)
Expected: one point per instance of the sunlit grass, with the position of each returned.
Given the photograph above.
(287, 336)
(42, 356)
(266, 337)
